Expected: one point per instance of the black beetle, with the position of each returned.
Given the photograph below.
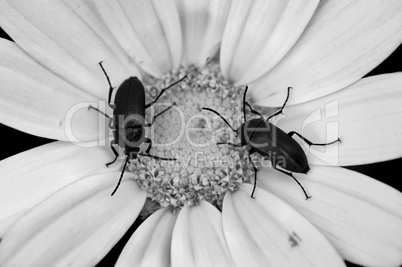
(267, 139)
(128, 119)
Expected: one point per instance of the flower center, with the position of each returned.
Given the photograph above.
(202, 170)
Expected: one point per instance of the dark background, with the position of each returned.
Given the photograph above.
(387, 172)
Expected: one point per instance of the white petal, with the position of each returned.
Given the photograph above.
(259, 33)
(366, 116)
(150, 244)
(202, 25)
(35, 100)
(343, 41)
(265, 231)
(88, 12)
(30, 177)
(77, 226)
(63, 42)
(198, 238)
(359, 215)
(148, 30)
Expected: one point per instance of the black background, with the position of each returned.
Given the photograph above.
(387, 172)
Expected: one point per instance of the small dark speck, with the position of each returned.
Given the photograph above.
(60, 122)
(294, 239)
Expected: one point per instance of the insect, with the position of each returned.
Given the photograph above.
(128, 121)
(266, 139)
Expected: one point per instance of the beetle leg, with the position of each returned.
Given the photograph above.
(255, 175)
(149, 141)
(162, 91)
(154, 118)
(110, 124)
(104, 114)
(115, 153)
(230, 144)
(217, 113)
(294, 178)
(311, 143)
(244, 104)
(112, 106)
(121, 176)
(155, 157)
(283, 106)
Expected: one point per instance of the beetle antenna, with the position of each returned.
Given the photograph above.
(254, 111)
(104, 71)
(244, 103)
(121, 176)
(216, 112)
(163, 90)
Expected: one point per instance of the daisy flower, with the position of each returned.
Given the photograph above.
(56, 208)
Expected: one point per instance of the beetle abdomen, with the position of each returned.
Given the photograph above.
(130, 98)
(293, 155)
(281, 149)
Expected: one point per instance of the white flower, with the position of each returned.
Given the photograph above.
(55, 200)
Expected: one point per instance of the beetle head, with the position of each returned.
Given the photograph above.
(132, 153)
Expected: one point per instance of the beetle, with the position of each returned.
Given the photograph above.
(128, 120)
(259, 134)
